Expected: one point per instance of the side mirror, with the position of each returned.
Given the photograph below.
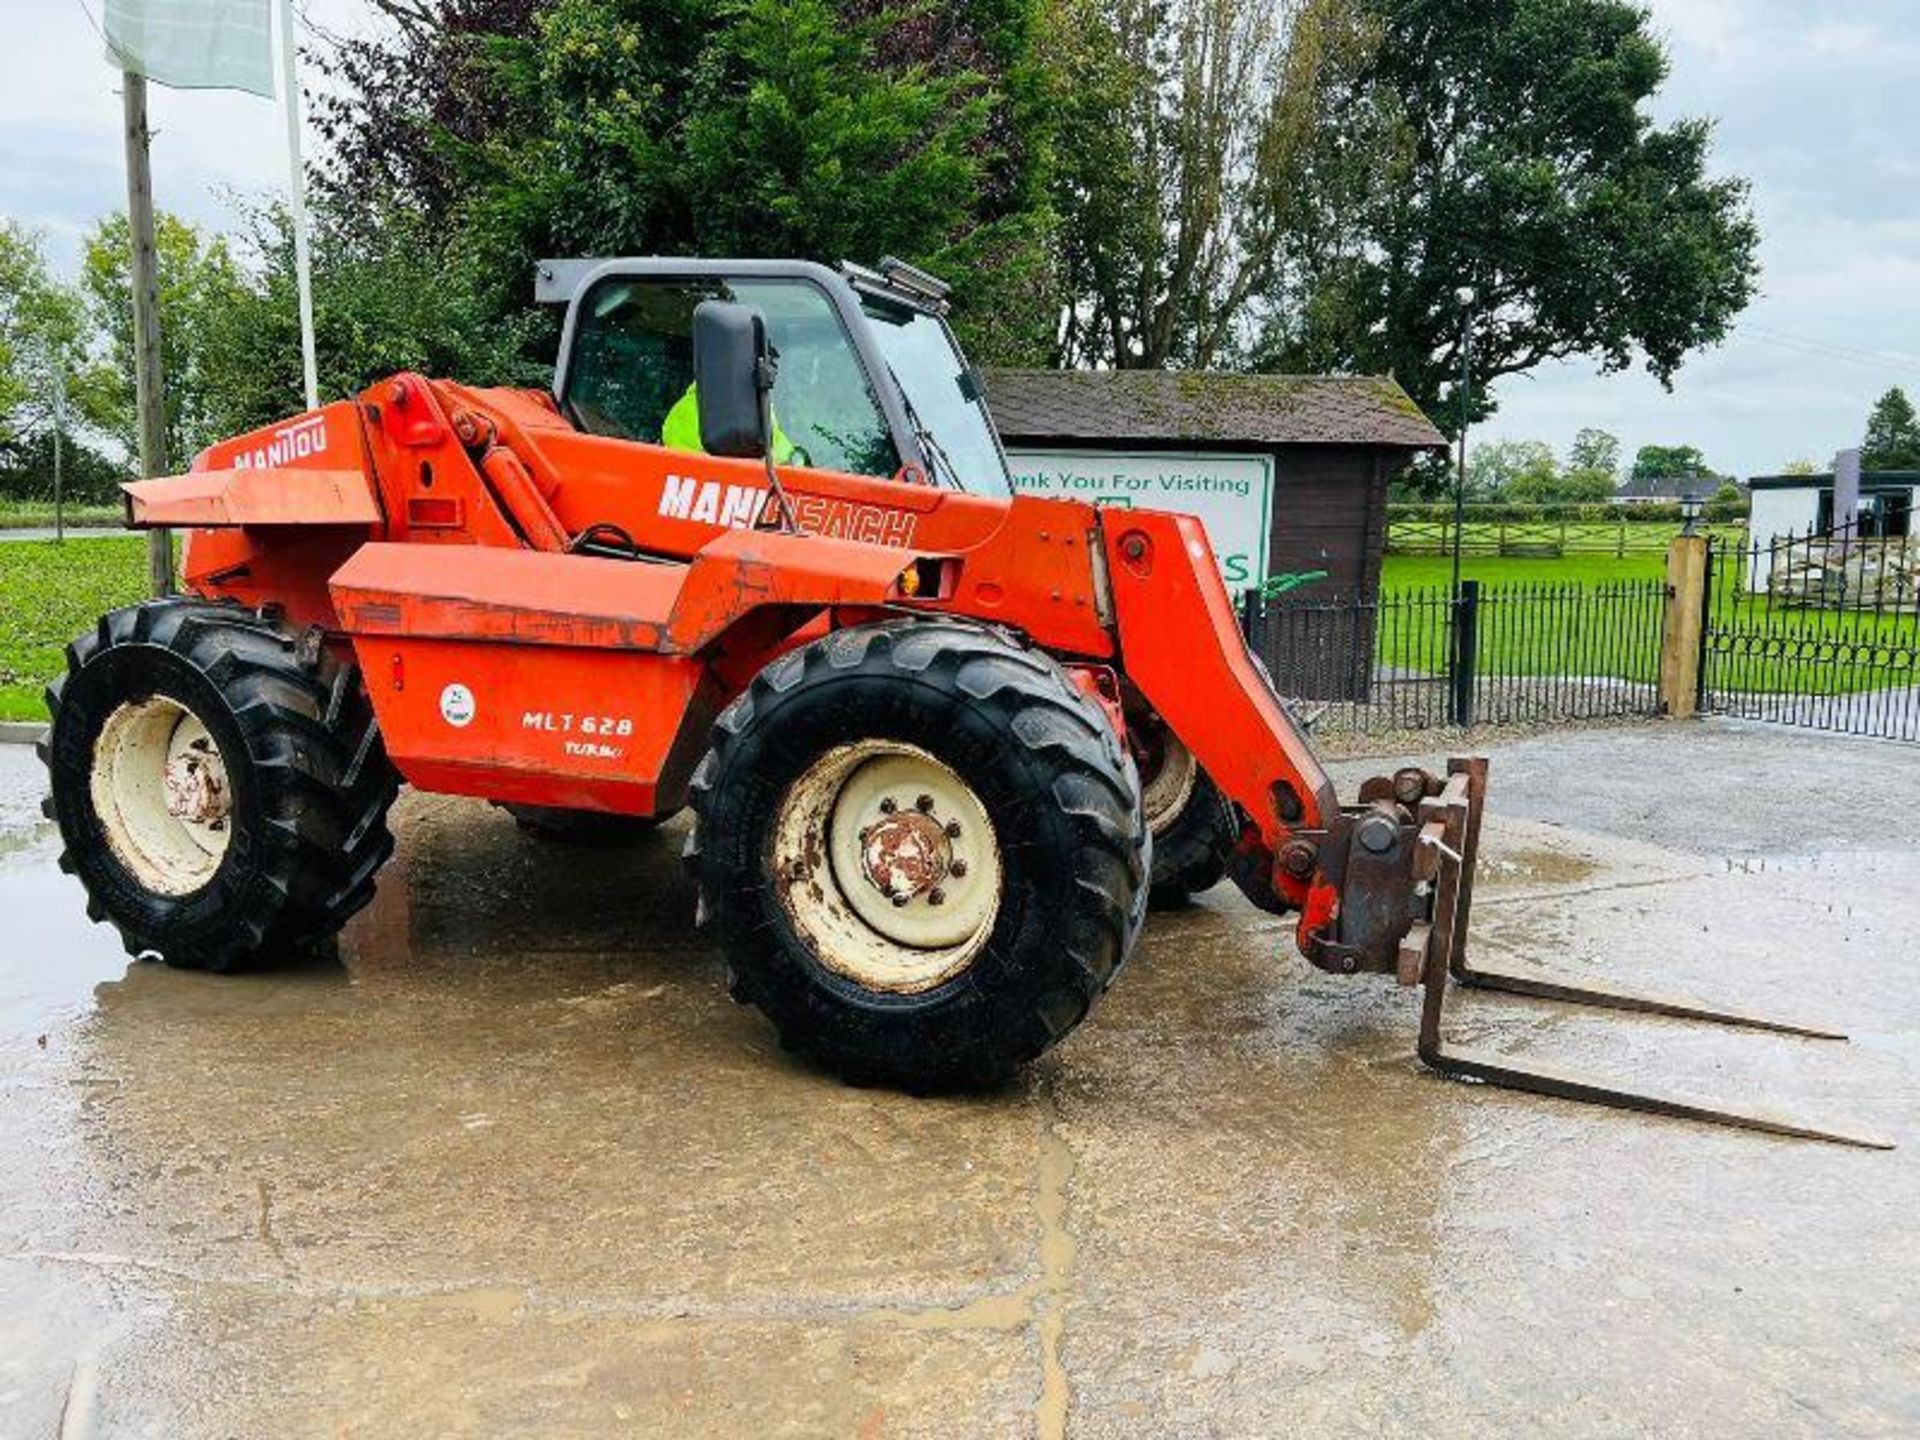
(733, 373)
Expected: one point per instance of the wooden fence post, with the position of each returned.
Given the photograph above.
(1680, 637)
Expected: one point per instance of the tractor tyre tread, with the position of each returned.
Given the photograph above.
(1190, 854)
(306, 734)
(1040, 974)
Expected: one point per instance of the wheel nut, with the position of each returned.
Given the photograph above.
(936, 896)
(953, 830)
(924, 804)
(887, 806)
(957, 869)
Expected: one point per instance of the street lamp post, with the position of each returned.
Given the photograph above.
(1465, 296)
(1690, 508)
(1464, 609)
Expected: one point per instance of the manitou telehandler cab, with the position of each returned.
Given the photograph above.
(757, 555)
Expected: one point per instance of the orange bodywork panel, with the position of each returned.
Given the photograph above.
(568, 680)
(226, 498)
(1180, 646)
(269, 515)
(428, 526)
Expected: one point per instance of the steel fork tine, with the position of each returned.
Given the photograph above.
(1435, 953)
(1574, 1085)
(1614, 997)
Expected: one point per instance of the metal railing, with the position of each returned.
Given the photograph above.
(1820, 629)
(1495, 654)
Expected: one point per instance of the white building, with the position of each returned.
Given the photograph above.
(1797, 506)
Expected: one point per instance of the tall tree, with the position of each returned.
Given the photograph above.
(1184, 134)
(1495, 467)
(831, 130)
(1595, 450)
(1893, 434)
(42, 336)
(198, 279)
(1670, 462)
(386, 296)
(1506, 147)
(406, 103)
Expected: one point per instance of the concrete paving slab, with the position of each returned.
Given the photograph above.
(509, 1161)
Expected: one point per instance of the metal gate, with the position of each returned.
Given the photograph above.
(1489, 654)
(1821, 630)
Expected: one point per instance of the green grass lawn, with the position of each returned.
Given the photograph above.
(1536, 618)
(1529, 623)
(38, 514)
(1403, 571)
(50, 593)
(1529, 626)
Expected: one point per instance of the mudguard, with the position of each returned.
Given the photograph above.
(310, 470)
(224, 499)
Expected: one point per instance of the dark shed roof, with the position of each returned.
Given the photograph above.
(1207, 406)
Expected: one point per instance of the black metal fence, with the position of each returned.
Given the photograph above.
(1819, 629)
(1412, 659)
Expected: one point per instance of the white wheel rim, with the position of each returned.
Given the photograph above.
(160, 788)
(1166, 791)
(888, 864)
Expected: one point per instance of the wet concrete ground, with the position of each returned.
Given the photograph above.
(513, 1163)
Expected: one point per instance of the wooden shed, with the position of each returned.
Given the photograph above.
(1289, 472)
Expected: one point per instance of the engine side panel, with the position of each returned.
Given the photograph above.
(583, 729)
(579, 682)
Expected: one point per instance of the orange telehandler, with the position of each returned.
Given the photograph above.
(909, 710)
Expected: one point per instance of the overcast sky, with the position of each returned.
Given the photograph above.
(1815, 105)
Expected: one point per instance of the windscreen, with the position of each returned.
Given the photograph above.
(631, 373)
(943, 401)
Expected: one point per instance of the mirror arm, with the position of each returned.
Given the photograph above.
(783, 518)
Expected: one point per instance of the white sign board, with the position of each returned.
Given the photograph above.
(1232, 495)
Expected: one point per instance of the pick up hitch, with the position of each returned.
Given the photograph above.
(1407, 869)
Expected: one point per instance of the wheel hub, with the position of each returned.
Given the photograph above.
(888, 864)
(1168, 774)
(906, 855)
(196, 781)
(161, 790)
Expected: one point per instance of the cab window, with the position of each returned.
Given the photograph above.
(633, 363)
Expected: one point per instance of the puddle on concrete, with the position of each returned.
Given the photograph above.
(506, 1159)
(1537, 865)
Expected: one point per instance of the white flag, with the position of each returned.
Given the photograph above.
(194, 44)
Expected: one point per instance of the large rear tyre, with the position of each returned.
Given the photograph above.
(924, 851)
(1192, 824)
(221, 791)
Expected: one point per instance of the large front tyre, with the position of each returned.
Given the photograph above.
(220, 786)
(924, 851)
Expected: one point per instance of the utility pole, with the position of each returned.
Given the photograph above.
(59, 425)
(150, 398)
